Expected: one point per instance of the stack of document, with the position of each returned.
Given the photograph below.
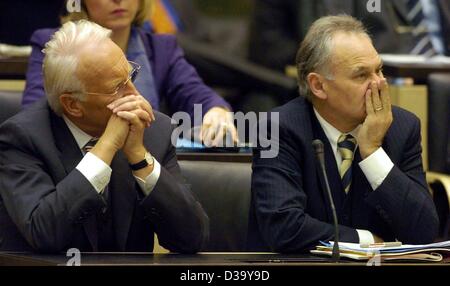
(433, 252)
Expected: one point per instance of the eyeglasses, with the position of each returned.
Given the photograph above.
(135, 67)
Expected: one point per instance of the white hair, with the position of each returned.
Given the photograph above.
(62, 56)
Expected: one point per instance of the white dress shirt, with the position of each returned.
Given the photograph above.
(375, 167)
(97, 172)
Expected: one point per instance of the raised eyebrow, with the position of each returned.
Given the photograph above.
(359, 69)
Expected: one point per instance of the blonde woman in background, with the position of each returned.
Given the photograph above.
(165, 75)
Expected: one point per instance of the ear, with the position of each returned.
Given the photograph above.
(316, 85)
(70, 105)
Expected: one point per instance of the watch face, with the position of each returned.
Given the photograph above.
(148, 158)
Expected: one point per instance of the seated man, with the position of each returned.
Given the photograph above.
(93, 167)
(372, 153)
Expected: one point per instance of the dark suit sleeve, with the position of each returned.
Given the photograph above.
(403, 200)
(179, 220)
(182, 86)
(280, 201)
(46, 213)
(34, 88)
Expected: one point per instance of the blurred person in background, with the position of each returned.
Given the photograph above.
(165, 74)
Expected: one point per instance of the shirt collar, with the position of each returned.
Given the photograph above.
(331, 132)
(135, 45)
(81, 137)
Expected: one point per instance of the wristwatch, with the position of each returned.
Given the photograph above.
(148, 161)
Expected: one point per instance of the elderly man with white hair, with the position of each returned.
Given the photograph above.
(92, 167)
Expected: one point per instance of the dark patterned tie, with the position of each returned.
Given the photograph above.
(90, 145)
(422, 37)
(346, 147)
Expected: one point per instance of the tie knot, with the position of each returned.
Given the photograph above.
(90, 145)
(346, 146)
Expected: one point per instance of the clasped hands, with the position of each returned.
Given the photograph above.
(131, 114)
(378, 119)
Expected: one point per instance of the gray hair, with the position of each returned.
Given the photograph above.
(315, 52)
(62, 56)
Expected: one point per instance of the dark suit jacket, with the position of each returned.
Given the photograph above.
(290, 208)
(278, 26)
(47, 205)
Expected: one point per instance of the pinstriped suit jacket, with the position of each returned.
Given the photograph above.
(290, 209)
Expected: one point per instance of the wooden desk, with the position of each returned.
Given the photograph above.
(216, 157)
(201, 259)
(414, 98)
(13, 68)
(419, 72)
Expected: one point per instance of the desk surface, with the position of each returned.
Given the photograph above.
(201, 259)
(419, 72)
(13, 68)
(216, 157)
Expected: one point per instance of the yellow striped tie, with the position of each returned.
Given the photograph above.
(346, 147)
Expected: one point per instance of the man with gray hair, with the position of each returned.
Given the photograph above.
(372, 153)
(92, 167)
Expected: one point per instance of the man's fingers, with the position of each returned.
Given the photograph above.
(369, 105)
(127, 106)
(385, 96)
(121, 101)
(147, 107)
(132, 118)
(133, 103)
(377, 104)
(144, 116)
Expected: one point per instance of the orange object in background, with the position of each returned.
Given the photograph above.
(161, 19)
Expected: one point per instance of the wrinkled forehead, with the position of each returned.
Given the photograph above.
(350, 51)
(102, 63)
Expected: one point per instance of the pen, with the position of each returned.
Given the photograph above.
(382, 244)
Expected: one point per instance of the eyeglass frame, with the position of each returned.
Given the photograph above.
(131, 76)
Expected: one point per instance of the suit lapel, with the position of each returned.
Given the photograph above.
(359, 180)
(359, 190)
(70, 156)
(332, 171)
(124, 196)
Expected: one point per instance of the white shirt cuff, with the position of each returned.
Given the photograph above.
(97, 172)
(150, 181)
(376, 167)
(365, 236)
